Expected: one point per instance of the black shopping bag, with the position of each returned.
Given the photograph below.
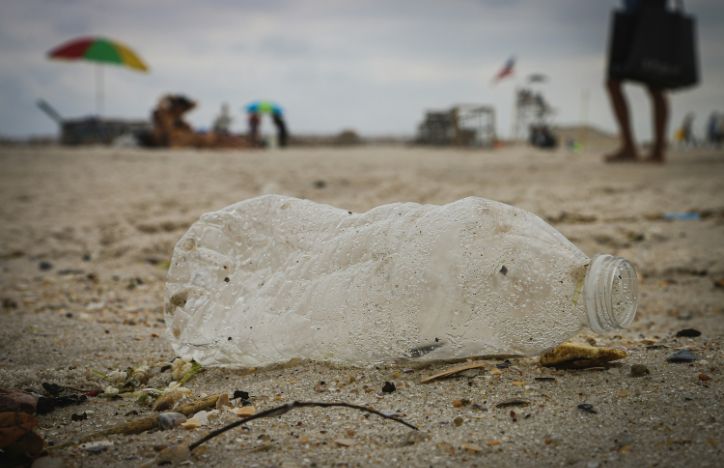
(656, 47)
(621, 37)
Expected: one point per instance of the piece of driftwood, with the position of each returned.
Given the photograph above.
(454, 370)
(146, 423)
(283, 409)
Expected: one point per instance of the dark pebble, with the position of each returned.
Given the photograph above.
(388, 387)
(639, 370)
(320, 184)
(45, 265)
(79, 416)
(587, 408)
(86, 258)
(503, 365)
(52, 389)
(688, 333)
(240, 394)
(683, 355)
(9, 303)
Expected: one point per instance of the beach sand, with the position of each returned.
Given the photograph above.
(86, 235)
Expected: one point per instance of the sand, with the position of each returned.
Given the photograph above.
(106, 220)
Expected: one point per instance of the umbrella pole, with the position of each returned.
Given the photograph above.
(99, 90)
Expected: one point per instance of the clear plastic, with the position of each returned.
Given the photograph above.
(275, 278)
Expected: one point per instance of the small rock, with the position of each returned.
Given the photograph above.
(79, 416)
(170, 419)
(388, 387)
(240, 394)
(169, 398)
(243, 411)
(503, 365)
(320, 184)
(639, 370)
(458, 421)
(344, 442)
(683, 355)
(97, 446)
(191, 424)
(580, 356)
(9, 303)
(688, 333)
(320, 387)
(45, 265)
(587, 408)
(460, 403)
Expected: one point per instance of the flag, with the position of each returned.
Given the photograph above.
(506, 71)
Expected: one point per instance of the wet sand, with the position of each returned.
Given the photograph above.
(87, 234)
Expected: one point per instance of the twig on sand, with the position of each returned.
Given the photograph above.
(454, 370)
(283, 409)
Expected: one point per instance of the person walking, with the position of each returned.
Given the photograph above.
(282, 132)
(628, 152)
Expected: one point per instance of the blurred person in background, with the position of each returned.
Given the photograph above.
(627, 152)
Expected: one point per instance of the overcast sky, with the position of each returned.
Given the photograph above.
(370, 65)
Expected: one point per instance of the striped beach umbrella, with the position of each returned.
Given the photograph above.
(102, 51)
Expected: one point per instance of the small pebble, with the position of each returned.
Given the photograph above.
(97, 446)
(683, 355)
(639, 370)
(388, 387)
(688, 333)
(170, 419)
(45, 265)
(503, 365)
(240, 394)
(458, 421)
(587, 407)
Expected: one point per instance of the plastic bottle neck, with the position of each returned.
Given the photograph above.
(611, 293)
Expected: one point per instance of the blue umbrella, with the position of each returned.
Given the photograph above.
(264, 107)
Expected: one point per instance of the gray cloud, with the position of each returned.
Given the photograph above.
(372, 65)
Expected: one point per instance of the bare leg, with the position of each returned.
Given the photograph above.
(661, 118)
(627, 152)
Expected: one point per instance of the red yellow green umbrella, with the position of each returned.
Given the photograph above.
(100, 50)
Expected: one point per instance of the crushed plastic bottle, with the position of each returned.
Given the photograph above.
(274, 278)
